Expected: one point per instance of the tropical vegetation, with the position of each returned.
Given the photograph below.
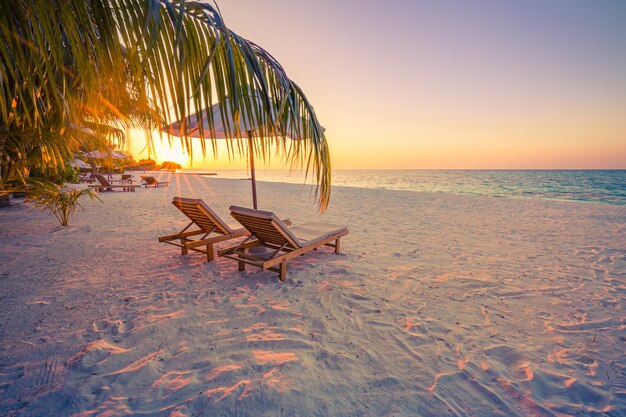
(61, 202)
(75, 75)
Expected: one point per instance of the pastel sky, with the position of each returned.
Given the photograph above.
(452, 84)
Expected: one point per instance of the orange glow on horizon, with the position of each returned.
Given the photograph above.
(173, 154)
(401, 152)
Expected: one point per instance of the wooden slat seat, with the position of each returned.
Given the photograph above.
(105, 185)
(212, 228)
(274, 242)
(149, 181)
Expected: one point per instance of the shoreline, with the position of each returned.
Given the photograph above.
(514, 197)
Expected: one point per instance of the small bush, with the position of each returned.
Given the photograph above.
(60, 176)
(49, 196)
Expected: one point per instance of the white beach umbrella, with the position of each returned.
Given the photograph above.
(80, 164)
(96, 154)
(256, 125)
(104, 154)
(119, 155)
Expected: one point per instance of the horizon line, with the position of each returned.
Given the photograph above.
(417, 169)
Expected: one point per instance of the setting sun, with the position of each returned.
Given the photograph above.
(174, 153)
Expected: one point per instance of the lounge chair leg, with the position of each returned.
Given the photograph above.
(283, 271)
(242, 265)
(210, 253)
(337, 246)
(183, 248)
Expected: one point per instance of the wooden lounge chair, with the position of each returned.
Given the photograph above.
(275, 243)
(153, 182)
(86, 177)
(212, 228)
(105, 185)
(126, 178)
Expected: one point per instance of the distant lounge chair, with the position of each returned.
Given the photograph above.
(208, 223)
(153, 182)
(276, 242)
(105, 185)
(126, 178)
(86, 177)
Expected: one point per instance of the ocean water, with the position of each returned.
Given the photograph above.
(604, 186)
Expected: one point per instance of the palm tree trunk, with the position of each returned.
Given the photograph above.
(5, 201)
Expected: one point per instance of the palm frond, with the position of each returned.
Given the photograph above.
(141, 63)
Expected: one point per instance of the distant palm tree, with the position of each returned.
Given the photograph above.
(76, 74)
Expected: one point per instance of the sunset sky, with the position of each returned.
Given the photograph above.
(451, 84)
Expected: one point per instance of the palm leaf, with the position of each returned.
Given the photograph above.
(139, 63)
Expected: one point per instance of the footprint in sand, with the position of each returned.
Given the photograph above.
(110, 327)
(47, 375)
(510, 361)
(8, 375)
(94, 354)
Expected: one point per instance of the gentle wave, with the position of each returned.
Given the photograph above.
(605, 186)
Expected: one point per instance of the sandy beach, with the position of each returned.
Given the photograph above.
(439, 305)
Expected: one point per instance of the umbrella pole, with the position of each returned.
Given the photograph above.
(252, 173)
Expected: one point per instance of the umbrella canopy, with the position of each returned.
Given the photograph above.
(80, 164)
(103, 154)
(254, 124)
(119, 155)
(254, 120)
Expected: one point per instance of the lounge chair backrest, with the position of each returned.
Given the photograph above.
(102, 179)
(202, 215)
(266, 226)
(149, 179)
(126, 177)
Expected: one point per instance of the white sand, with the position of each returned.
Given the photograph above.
(440, 305)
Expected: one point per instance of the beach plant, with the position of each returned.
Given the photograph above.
(74, 75)
(62, 202)
(58, 176)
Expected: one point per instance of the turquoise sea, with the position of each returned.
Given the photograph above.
(605, 186)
